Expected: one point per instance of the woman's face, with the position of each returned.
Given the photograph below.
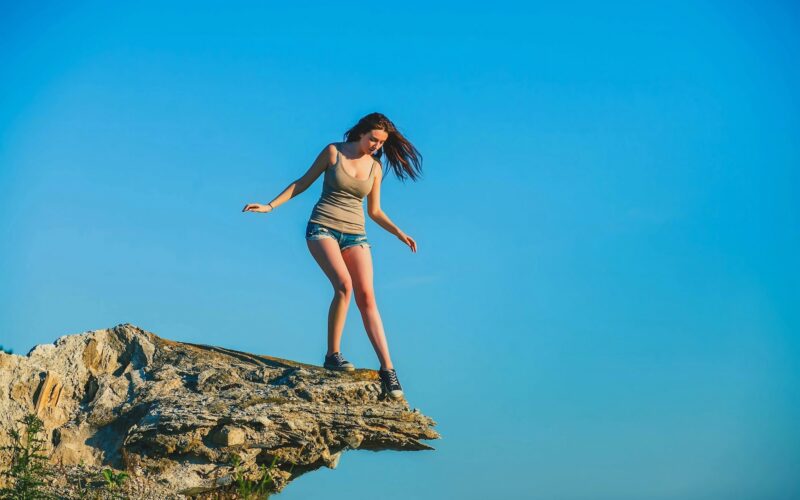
(372, 141)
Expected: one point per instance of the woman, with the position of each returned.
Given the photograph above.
(336, 236)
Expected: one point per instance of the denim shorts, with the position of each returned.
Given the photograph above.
(316, 231)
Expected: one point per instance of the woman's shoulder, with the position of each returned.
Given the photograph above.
(333, 148)
(378, 163)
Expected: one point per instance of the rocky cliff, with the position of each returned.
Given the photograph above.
(175, 413)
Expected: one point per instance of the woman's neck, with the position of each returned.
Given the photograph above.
(356, 150)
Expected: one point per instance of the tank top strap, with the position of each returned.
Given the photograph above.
(371, 169)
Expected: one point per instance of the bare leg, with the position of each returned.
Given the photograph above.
(327, 254)
(359, 263)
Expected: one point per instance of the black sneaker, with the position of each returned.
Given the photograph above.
(336, 362)
(390, 384)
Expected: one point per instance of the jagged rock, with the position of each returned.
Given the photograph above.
(176, 412)
(229, 436)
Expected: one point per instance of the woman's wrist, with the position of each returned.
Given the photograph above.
(271, 208)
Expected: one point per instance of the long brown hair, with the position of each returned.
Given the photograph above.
(401, 156)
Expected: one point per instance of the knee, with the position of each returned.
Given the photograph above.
(343, 287)
(366, 300)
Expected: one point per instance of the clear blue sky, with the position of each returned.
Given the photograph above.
(604, 304)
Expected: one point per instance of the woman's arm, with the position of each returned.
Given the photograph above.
(380, 217)
(295, 188)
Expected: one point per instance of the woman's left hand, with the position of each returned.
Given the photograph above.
(408, 240)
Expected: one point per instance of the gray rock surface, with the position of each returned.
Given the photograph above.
(176, 412)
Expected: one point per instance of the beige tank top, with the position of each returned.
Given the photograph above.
(341, 205)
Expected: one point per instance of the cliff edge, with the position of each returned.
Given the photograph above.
(175, 413)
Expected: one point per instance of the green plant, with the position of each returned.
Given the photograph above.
(114, 480)
(80, 484)
(29, 466)
(254, 488)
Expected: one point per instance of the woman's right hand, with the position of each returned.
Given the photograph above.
(255, 207)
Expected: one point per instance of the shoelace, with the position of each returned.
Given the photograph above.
(392, 376)
(338, 358)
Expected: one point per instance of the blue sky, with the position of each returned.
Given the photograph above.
(604, 304)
